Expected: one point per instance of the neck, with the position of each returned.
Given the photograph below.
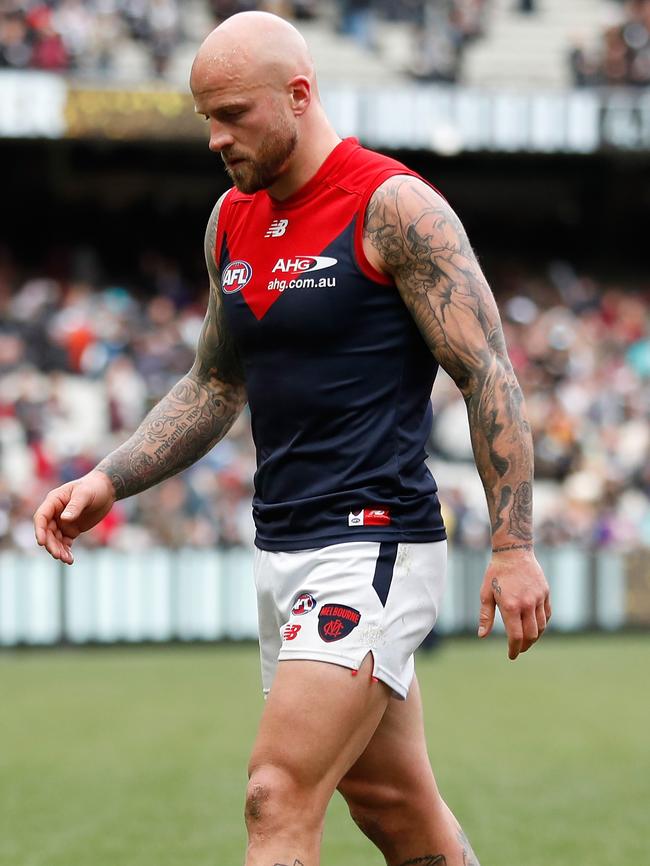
(315, 144)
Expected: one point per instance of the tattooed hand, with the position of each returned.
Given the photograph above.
(411, 233)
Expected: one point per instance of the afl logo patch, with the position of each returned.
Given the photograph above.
(235, 277)
(336, 621)
(303, 604)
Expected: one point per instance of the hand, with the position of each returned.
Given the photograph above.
(515, 582)
(71, 509)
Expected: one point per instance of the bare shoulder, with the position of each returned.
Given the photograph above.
(421, 242)
(217, 356)
(210, 240)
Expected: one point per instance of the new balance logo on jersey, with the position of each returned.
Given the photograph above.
(277, 229)
(302, 264)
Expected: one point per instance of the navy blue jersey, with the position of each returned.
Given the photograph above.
(337, 374)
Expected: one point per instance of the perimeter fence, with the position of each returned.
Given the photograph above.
(162, 595)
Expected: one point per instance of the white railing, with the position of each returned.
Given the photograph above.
(204, 595)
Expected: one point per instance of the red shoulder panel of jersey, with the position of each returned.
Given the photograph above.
(233, 195)
(264, 232)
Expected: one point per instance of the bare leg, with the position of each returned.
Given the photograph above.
(393, 796)
(317, 721)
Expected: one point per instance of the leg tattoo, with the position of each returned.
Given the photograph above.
(469, 857)
(427, 860)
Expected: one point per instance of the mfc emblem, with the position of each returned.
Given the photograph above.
(303, 604)
(235, 277)
(336, 621)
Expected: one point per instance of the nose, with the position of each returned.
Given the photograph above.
(220, 138)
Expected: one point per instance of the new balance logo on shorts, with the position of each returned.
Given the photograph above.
(290, 632)
(335, 621)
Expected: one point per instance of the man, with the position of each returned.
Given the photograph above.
(339, 280)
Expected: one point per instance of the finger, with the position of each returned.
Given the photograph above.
(540, 616)
(53, 540)
(78, 501)
(515, 632)
(42, 517)
(530, 629)
(486, 615)
(547, 607)
(48, 511)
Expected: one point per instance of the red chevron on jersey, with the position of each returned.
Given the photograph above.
(284, 257)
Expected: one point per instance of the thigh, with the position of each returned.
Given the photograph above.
(317, 721)
(395, 764)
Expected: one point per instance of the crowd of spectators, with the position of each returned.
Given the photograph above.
(81, 361)
(88, 37)
(85, 36)
(623, 54)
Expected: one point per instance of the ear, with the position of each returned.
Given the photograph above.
(300, 93)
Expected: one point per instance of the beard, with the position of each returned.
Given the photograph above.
(262, 170)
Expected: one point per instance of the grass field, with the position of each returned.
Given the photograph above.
(138, 756)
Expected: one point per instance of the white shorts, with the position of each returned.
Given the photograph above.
(338, 603)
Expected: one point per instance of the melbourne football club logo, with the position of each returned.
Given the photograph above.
(336, 621)
(303, 604)
(235, 277)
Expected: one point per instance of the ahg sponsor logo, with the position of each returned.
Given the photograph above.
(303, 264)
(235, 277)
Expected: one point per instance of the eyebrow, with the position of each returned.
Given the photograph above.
(228, 106)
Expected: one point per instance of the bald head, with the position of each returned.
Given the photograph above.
(252, 49)
(253, 81)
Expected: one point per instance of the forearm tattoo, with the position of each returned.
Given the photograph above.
(196, 413)
(425, 248)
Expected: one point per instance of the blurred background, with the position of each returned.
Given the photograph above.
(532, 117)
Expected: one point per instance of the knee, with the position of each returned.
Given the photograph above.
(380, 813)
(275, 800)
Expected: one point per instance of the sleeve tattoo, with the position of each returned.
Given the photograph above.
(197, 412)
(424, 246)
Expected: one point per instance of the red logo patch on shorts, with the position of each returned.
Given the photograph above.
(336, 621)
(303, 604)
(290, 632)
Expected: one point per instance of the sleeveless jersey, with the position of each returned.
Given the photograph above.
(337, 375)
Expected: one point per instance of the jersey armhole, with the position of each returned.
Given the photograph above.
(364, 265)
(221, 231)
(361, 259)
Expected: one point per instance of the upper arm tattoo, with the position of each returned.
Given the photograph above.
(424, 246)
(217, 356)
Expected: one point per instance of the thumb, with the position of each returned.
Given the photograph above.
(78, 501)
(486, 616)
